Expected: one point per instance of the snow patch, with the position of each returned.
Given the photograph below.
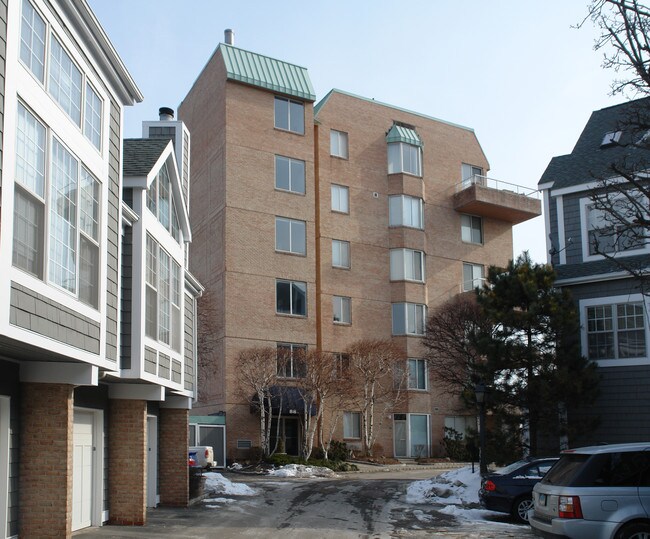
(300, 470)
(215, 482)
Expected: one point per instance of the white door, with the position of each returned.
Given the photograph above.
(4, 464)
(152, 461)
(82, 470)
(399, 433)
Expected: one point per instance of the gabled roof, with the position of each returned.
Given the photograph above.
(592, 160)
(265, 72)
(398, 133)
(141, 155)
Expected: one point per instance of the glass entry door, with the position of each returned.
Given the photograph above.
(399, 435)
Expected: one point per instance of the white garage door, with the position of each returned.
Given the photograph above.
(82, 470)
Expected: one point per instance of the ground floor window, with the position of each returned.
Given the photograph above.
(352, 425)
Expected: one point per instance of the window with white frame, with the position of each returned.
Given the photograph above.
(417, 374)
(404, 210)
(289, 174)
(160, 202)
(352, 425)
(32, 40)
(340, 198)
(341, 254)
(471, 229)
(616, 331)
(291, 297)
(472, 276)
(406, 265)
(67, 83)
(291, 360)
(69, 195)
(608, 233)
(403, 157)
(408, 318)
(290, 236)
(342, 310)
(289, 115)
(162, 296)
(338, 144)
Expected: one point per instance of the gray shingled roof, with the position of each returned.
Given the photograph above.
(140, 155)
(600, 267)
(588, 160)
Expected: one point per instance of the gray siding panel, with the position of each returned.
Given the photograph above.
(9, 386)
(126, 307)
(3, 56)
(113, 236)
(35, 312)
(190, 325)
(164, 366)
(604, 289)
(150, 360)
(177, 368)
(572, 228)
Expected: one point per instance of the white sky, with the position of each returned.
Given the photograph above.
(515, 71)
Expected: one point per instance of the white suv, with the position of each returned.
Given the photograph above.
(599, 492)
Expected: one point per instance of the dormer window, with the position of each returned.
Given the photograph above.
(404, 151)
(160, 202)
(611, 138)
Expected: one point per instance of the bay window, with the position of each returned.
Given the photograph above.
(406, 265)
(408, 318)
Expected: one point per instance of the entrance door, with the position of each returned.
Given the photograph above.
(288, 435)
(419, 435)
(399, 435)
(82, 470)
(152, 461)
(4, 466)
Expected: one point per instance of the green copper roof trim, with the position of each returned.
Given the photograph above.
(258, 70)
(397, 133)
(318, 106)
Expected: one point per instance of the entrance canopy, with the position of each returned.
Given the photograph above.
(284, 401)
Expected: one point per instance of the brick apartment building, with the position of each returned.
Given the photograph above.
(97, 357)
(320, 225)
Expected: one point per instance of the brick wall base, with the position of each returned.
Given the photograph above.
(173, 469)
(127, 462)
(46, 461)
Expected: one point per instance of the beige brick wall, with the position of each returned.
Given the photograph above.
(173, 472)
(127, 462)
(46, 461)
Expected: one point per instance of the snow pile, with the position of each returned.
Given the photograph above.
(215, 482)
(235, 466)
(300, 470)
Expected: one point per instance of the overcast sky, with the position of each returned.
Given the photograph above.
(514, 71)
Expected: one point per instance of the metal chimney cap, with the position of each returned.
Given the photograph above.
(166, 113)
(229, 36)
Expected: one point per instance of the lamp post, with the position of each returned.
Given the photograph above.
(479, 391)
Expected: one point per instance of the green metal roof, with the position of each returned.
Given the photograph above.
(276, 75)
(398, 133)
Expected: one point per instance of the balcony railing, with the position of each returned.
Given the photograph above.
(491, 183)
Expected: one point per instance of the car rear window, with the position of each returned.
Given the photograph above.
(565, 470)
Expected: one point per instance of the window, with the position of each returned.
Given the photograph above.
(32, 41)
(338, 144)
(406, 265)
(404, 157)
(405, 210)
(291, 297)
(472, 276)
(342, 309)
(417, 374)
(340, 254)
(93, 117)
(471, 174)
(290, 174)
(65, 81)
(611, 138)
(608, 234)
(289, 115)
(290, 236)
(351, 425)
(341, 364)
(616, 331)
(340, 198)
(408, 318)
(162, 296)
(160, 202)
(291, 360)
(471, 229)
(72, 204)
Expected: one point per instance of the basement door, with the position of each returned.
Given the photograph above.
(82, 470)
(152, 461)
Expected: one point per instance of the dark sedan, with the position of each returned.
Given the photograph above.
(509, 490)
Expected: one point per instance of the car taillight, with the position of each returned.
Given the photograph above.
(569, 507)
(207, 453)
(489, 485)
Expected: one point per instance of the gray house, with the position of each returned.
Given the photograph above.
(613, 310)
(97, 310)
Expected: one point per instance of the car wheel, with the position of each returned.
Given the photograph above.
(638, 530)
(520, 509)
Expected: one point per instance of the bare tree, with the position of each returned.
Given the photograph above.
(257, 377)
(451, 339)
(378, 368)
(207, 337)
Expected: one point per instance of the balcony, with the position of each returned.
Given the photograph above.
(486, 197)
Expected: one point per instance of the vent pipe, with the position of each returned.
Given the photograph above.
(166, 114)
(229, 37)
